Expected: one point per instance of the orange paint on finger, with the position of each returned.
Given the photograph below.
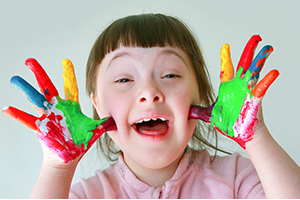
(23, 117)
(70, 83)
(227, 70)
(261, 88)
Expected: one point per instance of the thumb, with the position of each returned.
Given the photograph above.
(200, 112)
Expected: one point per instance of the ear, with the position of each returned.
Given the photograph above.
(94, 101)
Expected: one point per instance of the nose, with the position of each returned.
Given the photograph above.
(150, 94)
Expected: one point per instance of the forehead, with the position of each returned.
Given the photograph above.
(140, 53)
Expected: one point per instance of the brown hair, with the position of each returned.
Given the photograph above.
(152, 30)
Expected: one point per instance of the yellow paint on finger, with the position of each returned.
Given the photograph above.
(227, 71)
(70, 83)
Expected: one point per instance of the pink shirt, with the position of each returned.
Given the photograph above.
(196, 177)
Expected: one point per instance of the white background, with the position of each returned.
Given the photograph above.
(53, 30)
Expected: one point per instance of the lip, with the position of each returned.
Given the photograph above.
(153, 136)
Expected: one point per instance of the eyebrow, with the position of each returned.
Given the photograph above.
(172, 52)
(118, 55)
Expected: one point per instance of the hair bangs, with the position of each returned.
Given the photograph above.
(146, 31)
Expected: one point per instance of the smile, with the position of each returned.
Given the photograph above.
(152, 126)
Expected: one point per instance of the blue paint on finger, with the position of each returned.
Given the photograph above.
(31, 93)
(259, 61)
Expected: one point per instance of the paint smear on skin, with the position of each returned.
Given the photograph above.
(67, 131)
(247, 121)
(79, 125)
(55, 140)
(227, 108)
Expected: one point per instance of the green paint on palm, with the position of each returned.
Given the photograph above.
(232, 95)
(79, 125)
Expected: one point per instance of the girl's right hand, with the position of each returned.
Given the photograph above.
(64, 131)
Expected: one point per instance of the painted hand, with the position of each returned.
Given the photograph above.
(235, 112)
(62, 127)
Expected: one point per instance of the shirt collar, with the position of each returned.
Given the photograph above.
(139, 185)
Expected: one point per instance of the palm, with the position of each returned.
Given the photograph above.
(63, 128)
(235, 112)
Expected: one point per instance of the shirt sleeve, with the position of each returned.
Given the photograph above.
(77, 192)
(96, 187)
(247, 182)
(91, 188)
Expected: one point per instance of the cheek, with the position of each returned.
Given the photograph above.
(113, 104)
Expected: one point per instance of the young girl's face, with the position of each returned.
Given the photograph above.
(148, 92)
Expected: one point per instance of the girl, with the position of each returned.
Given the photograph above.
(145, 72)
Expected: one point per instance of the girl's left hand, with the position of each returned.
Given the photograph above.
(236, 112)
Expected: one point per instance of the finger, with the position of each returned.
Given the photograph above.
(259, 61)
(23, 117)
(261, 88)
(45, 84)
(70, 84)
(227, 71)
(106, 124)
(247, 55)
(31, 93)
(199, 112)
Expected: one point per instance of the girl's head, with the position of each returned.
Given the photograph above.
(148, 58)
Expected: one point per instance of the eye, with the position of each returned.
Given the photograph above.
(171, 76)
(123, 80)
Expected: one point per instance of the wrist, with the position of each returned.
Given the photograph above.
(261, 138)
(59, 169)
(54, 180)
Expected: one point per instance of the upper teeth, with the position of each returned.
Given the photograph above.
(148, 119)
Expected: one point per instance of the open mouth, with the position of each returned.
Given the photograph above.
(152, 126)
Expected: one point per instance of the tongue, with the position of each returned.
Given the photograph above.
(153, 129)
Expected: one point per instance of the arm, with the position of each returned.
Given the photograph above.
(54, 181)
(65, 133)
(237, 114)
(279, 174)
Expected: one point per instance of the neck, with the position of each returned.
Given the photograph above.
(154, 177)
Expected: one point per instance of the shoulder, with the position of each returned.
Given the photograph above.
(231, 173)
(221, 165)
(98, 186)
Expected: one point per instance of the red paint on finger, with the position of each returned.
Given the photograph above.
(199, 112)
(247, 55)
(45, 84)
